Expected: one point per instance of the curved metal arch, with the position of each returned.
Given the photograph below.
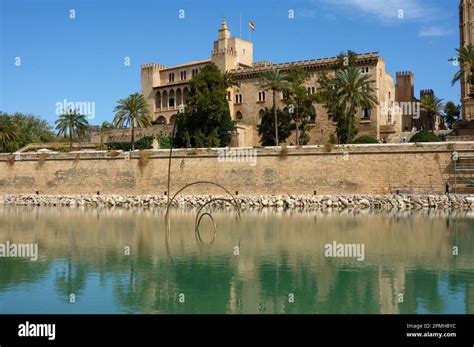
(197, 222)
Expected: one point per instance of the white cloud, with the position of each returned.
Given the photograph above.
(388, 10)
(435, 31)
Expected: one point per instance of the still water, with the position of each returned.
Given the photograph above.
(117, 261)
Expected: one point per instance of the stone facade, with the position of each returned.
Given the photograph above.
(352, 169)
(166, 89)
(466, 22)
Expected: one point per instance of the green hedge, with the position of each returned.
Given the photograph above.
(366, 139)
(424, 136)
(165, 142)
(144, 143)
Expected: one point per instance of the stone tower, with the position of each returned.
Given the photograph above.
(405, 92)
(466, 27)
(231, 52)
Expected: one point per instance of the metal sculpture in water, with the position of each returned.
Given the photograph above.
(200, 213)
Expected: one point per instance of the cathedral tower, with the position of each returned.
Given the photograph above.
(466, 27)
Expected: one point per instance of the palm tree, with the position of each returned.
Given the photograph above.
(465, 56)
(275, 81)
(8, 132)
(134, 112)
(103, 127)
(354, 90)
(71, 123)
(431, 107)
(229, 80)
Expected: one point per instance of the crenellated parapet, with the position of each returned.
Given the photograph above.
(153, 67)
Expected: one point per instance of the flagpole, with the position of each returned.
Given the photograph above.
(250, 32)
(240, 24)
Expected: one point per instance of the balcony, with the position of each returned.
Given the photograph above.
(388, 128)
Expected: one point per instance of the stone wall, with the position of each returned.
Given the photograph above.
(352, 169)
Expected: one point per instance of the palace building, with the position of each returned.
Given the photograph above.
(166, 89)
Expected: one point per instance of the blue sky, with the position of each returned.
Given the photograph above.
(82, 59)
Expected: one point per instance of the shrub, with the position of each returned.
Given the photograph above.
(144, 143)
(165, 142)
(365, 139)
(424, 136)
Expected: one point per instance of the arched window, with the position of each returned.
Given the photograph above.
(239, 117)
(179, 97)
(185, 95)
(161, 120)
(172, 119)
(261, 113)
(164, 99)
(238, 98)
(366, 113)
(158, 100)
(171, 101)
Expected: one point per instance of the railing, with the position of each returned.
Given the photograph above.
(463, 174)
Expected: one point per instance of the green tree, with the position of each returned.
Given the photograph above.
(206, 120)
(424, 136)
(29, 129)
(275, 81)
(431, 107)
(465, 56)
(132, 112)
(451, 113)
(71, 124)
(267, 126)
(229, 80)
(299, 102)
(8, 131)
(351, 90)
(103, 128)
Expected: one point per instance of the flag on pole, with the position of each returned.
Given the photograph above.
(251, 25)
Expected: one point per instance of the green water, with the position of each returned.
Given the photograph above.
(268, 262)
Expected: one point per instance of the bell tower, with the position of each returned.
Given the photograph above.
(231, 52)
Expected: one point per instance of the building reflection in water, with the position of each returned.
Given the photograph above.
(281, 253)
